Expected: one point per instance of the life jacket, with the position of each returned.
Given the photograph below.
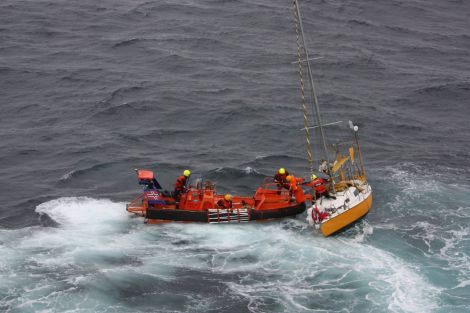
(299, 195)
(295, 190)
(319, 185)
(281, 178)
(180, 183)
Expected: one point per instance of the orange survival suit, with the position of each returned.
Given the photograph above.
(281, 180)
(180, 186)
(319, 185)
(296, 190)
(224, 204)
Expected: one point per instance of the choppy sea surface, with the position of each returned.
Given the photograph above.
(90, 90)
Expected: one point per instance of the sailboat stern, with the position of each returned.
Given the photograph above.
(349, 206)
(335, 223)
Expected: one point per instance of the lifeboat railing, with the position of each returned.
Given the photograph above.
(216, 216)
(137, 205)
(268, 181)
(261, 202)
(269, 184)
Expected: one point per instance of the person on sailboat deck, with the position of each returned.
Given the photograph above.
(281, 179)
(323, 168)
(180, 184)
(226, 202)
(319, 185)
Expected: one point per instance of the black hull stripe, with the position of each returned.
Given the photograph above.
(201, 216)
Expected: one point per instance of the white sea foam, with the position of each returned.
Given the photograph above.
(292, 257)
(67, 175)
(433, 218)
(364, 231)
(250, 170)
(82, 211)
(98, 249)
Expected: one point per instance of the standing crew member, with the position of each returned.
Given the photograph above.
(281, 179)
(180, 184)
(226, 202)
(318, 184)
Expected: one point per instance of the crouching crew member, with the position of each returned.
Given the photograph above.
(319, 185)
(281, 179)
(226, 202)
(294, 189)
(180, 184)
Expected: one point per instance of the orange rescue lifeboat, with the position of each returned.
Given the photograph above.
(201, 203)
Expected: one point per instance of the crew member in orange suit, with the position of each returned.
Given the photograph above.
(180, 184)
(281, 179)
(226, 202)
(319, 185)
(294, 189)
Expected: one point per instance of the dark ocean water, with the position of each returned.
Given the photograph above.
(90, 90)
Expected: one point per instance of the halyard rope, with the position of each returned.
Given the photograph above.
(302, 91)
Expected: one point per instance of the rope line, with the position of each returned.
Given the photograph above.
(302, 92)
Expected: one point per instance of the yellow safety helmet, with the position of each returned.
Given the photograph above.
(289, 178)
(228, 197)
(186, 173)
(282, 171)
(313, 177)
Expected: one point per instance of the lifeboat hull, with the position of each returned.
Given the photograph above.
(222, 216)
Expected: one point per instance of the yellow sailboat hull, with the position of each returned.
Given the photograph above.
(349, 216)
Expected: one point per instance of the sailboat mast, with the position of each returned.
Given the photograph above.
(359, 152)
(315, 106)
